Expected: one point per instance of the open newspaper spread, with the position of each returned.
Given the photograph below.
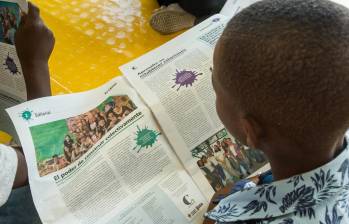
(12, 86)
(175, 81)
(99, 157)
(107, 156)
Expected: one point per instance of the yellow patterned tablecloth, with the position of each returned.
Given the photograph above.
(95, 37)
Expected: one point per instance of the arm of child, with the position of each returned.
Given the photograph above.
(34, 45)
(21, 178)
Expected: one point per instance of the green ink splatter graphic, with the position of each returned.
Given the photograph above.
(26, 115)
(145, 138)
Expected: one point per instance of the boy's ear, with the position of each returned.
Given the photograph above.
(253, 131)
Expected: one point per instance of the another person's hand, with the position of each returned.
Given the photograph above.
(34, 43)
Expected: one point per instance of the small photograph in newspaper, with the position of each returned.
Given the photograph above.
(9, 17)
(11, 75)
(60, 143)
(223, 160)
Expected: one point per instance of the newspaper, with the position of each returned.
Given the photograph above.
(233, 7)
(12, 86)
(111, 156)
(175, 82)
(342, 2)
(100, 157)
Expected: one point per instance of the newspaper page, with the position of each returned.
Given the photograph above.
(175, 82)
(342, 2)
(12, 85)
(233, 7)
(99, 157)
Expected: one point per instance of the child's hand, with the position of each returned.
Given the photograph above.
(34, 41)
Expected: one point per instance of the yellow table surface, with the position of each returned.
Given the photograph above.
(95, 37)
(5, 138)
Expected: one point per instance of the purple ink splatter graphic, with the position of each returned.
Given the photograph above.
(185, 78)
(11, 65)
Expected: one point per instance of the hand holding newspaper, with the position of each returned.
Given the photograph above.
(12, 86)
(109, 156)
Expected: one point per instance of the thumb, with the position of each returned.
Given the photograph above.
(23, 20)
(33, 12)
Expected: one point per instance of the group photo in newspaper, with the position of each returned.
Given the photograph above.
(71, 138)
(145, 147)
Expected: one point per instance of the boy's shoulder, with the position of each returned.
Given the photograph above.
(317, 196)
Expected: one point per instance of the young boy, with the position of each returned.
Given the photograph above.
(281, 75)
(34, 44)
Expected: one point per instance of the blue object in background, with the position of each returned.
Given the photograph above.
(239, 186)
(266, 178)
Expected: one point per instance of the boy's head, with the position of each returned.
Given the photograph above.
(281, 70)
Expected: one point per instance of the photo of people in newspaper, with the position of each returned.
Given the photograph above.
(60, 143)
(9, 19)
(223, 160)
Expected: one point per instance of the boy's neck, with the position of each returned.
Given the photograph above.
(299, 160)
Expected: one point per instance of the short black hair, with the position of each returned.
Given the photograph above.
(286, 62)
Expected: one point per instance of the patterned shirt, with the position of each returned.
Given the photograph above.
(320, 196)
(8, 169)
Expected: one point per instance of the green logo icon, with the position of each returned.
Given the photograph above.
(145, 138)
(26, 115)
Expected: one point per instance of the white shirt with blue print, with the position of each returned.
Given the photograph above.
(8, 169)
(320, 196)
